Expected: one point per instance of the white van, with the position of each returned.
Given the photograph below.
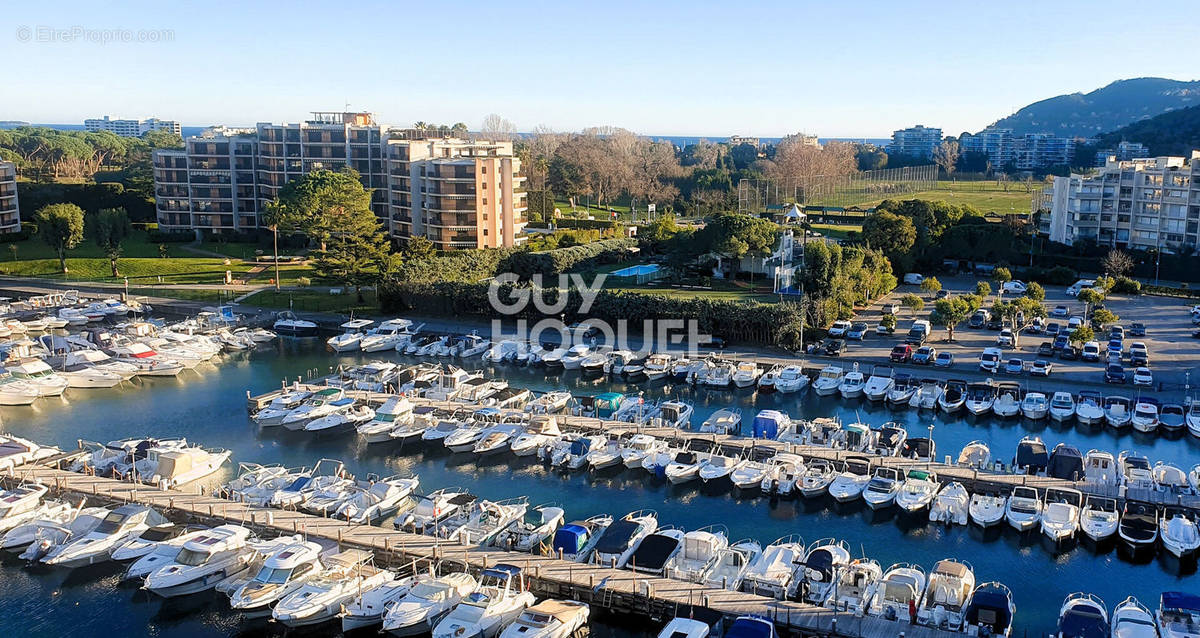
(989, 361)
(914, 279)
(1080, 285)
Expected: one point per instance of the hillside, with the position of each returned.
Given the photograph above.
(1088, 114)
(1173, 133)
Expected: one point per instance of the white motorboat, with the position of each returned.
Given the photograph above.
(274, 412)
(672, 414)
(879, 383)
(325, 474)
(951, 505)
(1034, 406)
(903, 389)
(16, 451)
(700, 549)
(882, 489)
(367, 504)
(1062, 406)
(1082, 615)
(684, 467)
(1178, 613)
(791, 379)
(1177, 532)
(542, 429)
(158, 555)
(975, 454)
(487, 519)
(174, 467)
(433, 509)
(40, 375)
(621, 538)
(1099, 518)
(717, 467)
(987, 508)
(350, 340)
(746, 374)
(23, 529)
(576, 540)
(20, 504)
(766, 382)
(284, 570)
(16, 392)
(1089, 409)
(532, 530)
(606, 455)
(899, 589)
(980, 398)
(773, 572)
(815, 478)
(917, 491)
(951, 584)
(392, 334)
(1145, 415)
(657, 367)
(1193, 417)
(96, 546)
(1170, 479)
(574, 356)
(848, 485)
(1136, 472)
(347, 574)
(34, 539)
(348, 415)
(852, 384)
(829, 381)
(1131, 619)
(927, 395)
(723, 421)
(1008, 400)
(718, 375)
(573, 455)
(549, 619)
(396, 414)
(426, 603)
(1172, 417)
(1100, 469)
(205, 560)
(990, 612)
(551, 402)
(728, 569)
(500, 598)
(637, 448)
(471, 346)
(147, 541)
(321, 403)
(1024, 508)
(954, 396)
(368, 607)
(750, 474)
(1060, 513)
(855, 585)
(498, 438)
(1118, 411)
(821, 571)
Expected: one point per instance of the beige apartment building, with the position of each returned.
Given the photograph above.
(10, 210)
(458, 193)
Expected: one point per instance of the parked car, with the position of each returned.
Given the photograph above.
(1015, 286)
(835, 347)
(1052, 329)
(943, 360)
(914, 279)
(1040, 368)
(1061, 342)
(924, 355)
(995, 324)
(1114, 374)
(882, 329)
(1115, 347)
(1036, 326)
(989, 361)
(1074, 322)
(1069, 353)
(1060, 311)
(942, 294)
(1137, 329)
(1005, 338)
(1046, 349)
(1116, 332)
(891, 308)
(1138, 354)
(1014, 366)
(1143, 376)
(979, 318)
(857, 331)
(1091, 351)
(902, 353)
(839, 328)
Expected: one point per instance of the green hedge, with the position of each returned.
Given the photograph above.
(1169, 291)
(560, 260)
(739, 321)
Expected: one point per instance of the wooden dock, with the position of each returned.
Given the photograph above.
(619, 591)
(974, 480)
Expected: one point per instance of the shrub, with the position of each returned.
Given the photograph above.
(303, 282)
(1127, 286)
(1060, 276)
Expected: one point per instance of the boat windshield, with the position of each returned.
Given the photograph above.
(273, 575)
(384, 417)
(111, 523)
(434, 592)
(192, 558)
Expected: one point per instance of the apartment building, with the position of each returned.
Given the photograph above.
(10, 210)
(1124, 151)
(1023, 152)
(918, 141)
(456, 193)
(131, 128)
(460, 194)
(1139, 204)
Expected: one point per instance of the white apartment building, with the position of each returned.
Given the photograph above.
(1139, 204)
(1124, 151)
(458, 193)
(918, 141)
(1024, 152)
(10, 210)
(131, 128)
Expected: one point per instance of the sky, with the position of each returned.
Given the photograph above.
(834, 69)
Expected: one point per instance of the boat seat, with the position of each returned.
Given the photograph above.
(939, 595)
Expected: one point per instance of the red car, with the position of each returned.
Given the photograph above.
(902, 353)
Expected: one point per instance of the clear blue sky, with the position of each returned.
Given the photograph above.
(856, 69)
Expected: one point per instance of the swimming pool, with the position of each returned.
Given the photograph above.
(633, 271)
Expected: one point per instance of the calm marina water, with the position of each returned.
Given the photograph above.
(208, 407)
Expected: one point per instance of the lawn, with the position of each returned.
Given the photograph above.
(314, 301)
(987, 196)
(174, 270)
(137, 244)
(837, 231)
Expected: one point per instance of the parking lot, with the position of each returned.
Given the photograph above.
(1174, 355)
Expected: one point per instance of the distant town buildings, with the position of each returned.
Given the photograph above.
(1023, 152)
(1140, 203)
(10, 210)
(917, 141)
(131, 128)
(458, 193)
(735, 140)
(1124, 152)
